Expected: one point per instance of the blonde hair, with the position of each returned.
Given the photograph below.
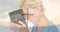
(30, 3)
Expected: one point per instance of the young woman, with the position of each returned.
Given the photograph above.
(34, 14)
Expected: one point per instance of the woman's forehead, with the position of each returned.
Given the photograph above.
(32, 3)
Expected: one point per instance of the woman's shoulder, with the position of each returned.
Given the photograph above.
(49, 28)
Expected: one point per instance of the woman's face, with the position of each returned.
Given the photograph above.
(33, 11)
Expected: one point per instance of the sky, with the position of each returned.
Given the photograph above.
(5, 7)
(52, 10)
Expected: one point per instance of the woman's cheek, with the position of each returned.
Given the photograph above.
(31, 11)
(34, 11)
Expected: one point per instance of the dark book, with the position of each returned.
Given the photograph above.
(16, 16)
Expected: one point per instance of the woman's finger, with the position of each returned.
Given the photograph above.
(22, 23)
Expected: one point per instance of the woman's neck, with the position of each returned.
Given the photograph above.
(42, 20)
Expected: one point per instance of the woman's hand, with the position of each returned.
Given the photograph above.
(22, 24)
(18, 28)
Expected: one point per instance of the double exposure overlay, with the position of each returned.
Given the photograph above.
(30, 16)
